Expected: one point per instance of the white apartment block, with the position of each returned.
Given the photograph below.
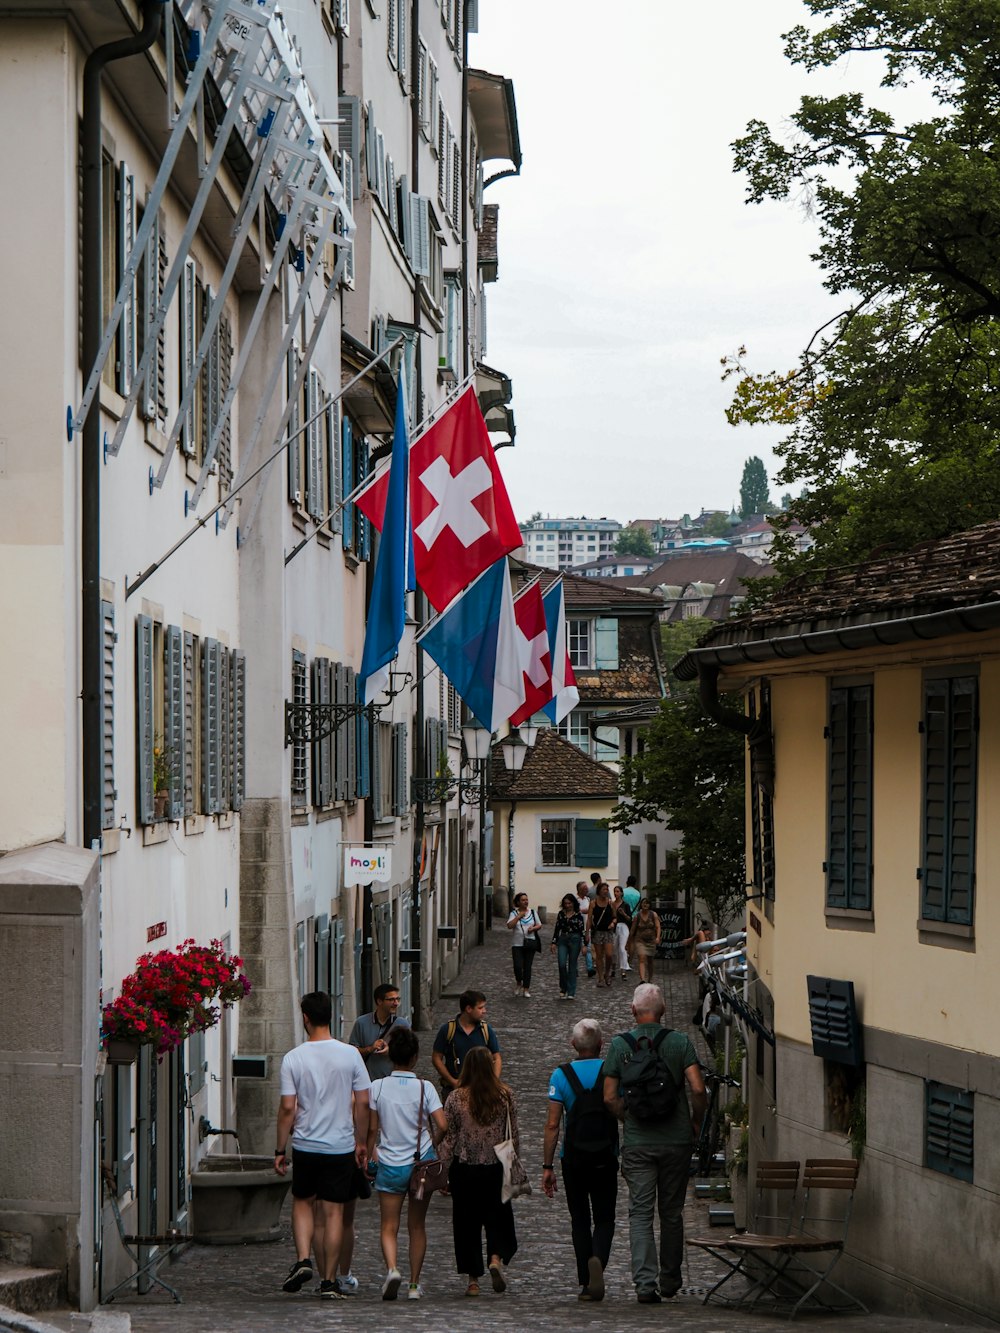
(562, 543)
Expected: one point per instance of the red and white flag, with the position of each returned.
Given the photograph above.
(533, 652)
(565, 695)
(461, 515)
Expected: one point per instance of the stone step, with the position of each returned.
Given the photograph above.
(28, 1289)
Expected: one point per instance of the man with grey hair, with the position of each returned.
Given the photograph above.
(644, 1085)
(589, 1156)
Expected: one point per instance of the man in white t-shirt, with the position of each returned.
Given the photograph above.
(324, 1112)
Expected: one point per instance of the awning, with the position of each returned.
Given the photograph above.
(371, 402)
(491, 100)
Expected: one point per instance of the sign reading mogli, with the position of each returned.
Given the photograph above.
(364, 864)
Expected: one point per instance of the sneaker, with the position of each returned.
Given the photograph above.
(497, 1278)
(584, 1295)
(391, 1284)
(562, 995)
(415, 1292)
(299, 1274)
(595, 1278)
(527, 994)
(517, 991)
(348, 1284)
(329, 1291)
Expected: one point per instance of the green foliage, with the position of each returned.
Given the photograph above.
(677, 638)
(754, 497)
(892, 410)
(716, 525)
(634, 540)
(690, 775)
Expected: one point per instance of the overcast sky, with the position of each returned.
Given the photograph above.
(629, 262)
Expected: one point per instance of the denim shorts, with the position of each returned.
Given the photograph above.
(396, 1179)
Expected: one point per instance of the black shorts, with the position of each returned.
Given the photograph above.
(321, 1175)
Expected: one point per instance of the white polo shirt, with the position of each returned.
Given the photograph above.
(323, 1076)
(397, 1101)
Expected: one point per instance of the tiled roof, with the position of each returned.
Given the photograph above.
(554, 769)
(725, 570)
(635, 677)
(584, 594)
(957, 571)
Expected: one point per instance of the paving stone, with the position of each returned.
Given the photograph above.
(236, 1289)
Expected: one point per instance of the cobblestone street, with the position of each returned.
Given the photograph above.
(238, 1288)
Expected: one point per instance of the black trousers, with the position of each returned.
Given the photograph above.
(476, 1207)
(591, 1195)
(523, 959)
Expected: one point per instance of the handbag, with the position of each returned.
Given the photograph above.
(426, 1177)
(534, 941)
(515, 1178)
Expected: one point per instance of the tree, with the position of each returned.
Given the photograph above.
(893, 410)
(754, 497)
(676, 638)
(634, 540)
(716, 525)
(690, 775)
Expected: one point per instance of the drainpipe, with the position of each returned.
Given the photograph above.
(90, 461)
(757, 730)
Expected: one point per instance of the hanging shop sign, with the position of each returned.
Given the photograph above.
(364, 864)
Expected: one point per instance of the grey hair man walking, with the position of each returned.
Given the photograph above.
(658, 1137)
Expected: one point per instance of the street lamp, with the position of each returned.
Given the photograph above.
(477, 741)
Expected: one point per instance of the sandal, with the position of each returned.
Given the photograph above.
(472, 1289)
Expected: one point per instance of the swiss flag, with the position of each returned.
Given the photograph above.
(460, 512)
(533, 652)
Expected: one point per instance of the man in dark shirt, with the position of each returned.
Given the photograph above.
(458, 1036)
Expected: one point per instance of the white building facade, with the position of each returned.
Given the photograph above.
(562, 543)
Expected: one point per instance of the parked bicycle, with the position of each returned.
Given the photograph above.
(708, 1156)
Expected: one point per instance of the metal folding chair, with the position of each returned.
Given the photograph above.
(138, 1247)
(775, 1187)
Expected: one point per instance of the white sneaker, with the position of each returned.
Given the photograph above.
(348, 1284)
(415, 1292)
(517, 991)
(391, 1284)
(527, 994)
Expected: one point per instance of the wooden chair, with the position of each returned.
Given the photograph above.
(781, 1267)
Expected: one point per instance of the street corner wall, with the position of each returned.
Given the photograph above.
(49, 1028)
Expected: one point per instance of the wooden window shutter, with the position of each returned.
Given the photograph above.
(406, 217)
(225, 729)
(950, 1130)
(347, 477)
(420, 229)
(404, 771)
(376, 774)
(173, 716)
(224, 453)
(318, 690)
(343, 696)
(371, 164)
(108, 640)
(432, 747)
(349, 141)
(363, 722)
(348, 176)
(190, 738)
(606, 643)
(154, 271)
(145, 736)
(591, 842)
(849, 798)
(210, 726)
(189, 343)
(293, 452)
(390, 194)
(949, 798)
(364, 523)
(334, 468)
(401, 43)
(351, 736)
(126, 239)
(314, 460)
(390, 31)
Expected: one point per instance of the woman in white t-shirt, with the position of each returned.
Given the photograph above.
(398, 1137)
(524, 944)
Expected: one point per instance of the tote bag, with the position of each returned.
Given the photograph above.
(515, 1178)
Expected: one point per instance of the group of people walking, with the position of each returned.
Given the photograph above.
(358, 1118)
(611, 928)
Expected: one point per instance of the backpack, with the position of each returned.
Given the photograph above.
(449, 1038)
(646, 1085)
(591, 1129)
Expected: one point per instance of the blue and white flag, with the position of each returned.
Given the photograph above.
(387, 609)
(474, 642)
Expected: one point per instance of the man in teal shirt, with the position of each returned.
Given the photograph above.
(656, 1154)
(631, 895)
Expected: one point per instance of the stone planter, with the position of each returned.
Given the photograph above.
(237, 1201)
(121, 1051)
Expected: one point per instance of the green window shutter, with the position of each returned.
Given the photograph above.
(314, 475)
(347, 480)
(591, 842)
(145, 738)
(350, 736)
(949, 1144)
(108, 641)
(334, 468)
(849, 797)
(947, 870)
(606, 643)
(238, 729)
(190, 739)
(173, 716)
(210, 726)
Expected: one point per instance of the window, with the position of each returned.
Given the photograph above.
(355, 528)
(849, 798)
(191, 721)
(575, 729)
(948, 842)
(448, 339)
(204, 420)
(949, 1130)
(578, 642)
(556, 835)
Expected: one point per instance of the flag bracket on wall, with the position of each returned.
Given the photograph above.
(314, 722)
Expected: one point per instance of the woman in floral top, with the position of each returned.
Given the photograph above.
(567, 940)
(477, 1114)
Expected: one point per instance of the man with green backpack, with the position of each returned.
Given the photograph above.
(647, 1074)
(589, 1156)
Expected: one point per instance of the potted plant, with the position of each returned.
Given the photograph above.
(170, 995)
(162, 774)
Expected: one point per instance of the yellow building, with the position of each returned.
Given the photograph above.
(873, 934)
